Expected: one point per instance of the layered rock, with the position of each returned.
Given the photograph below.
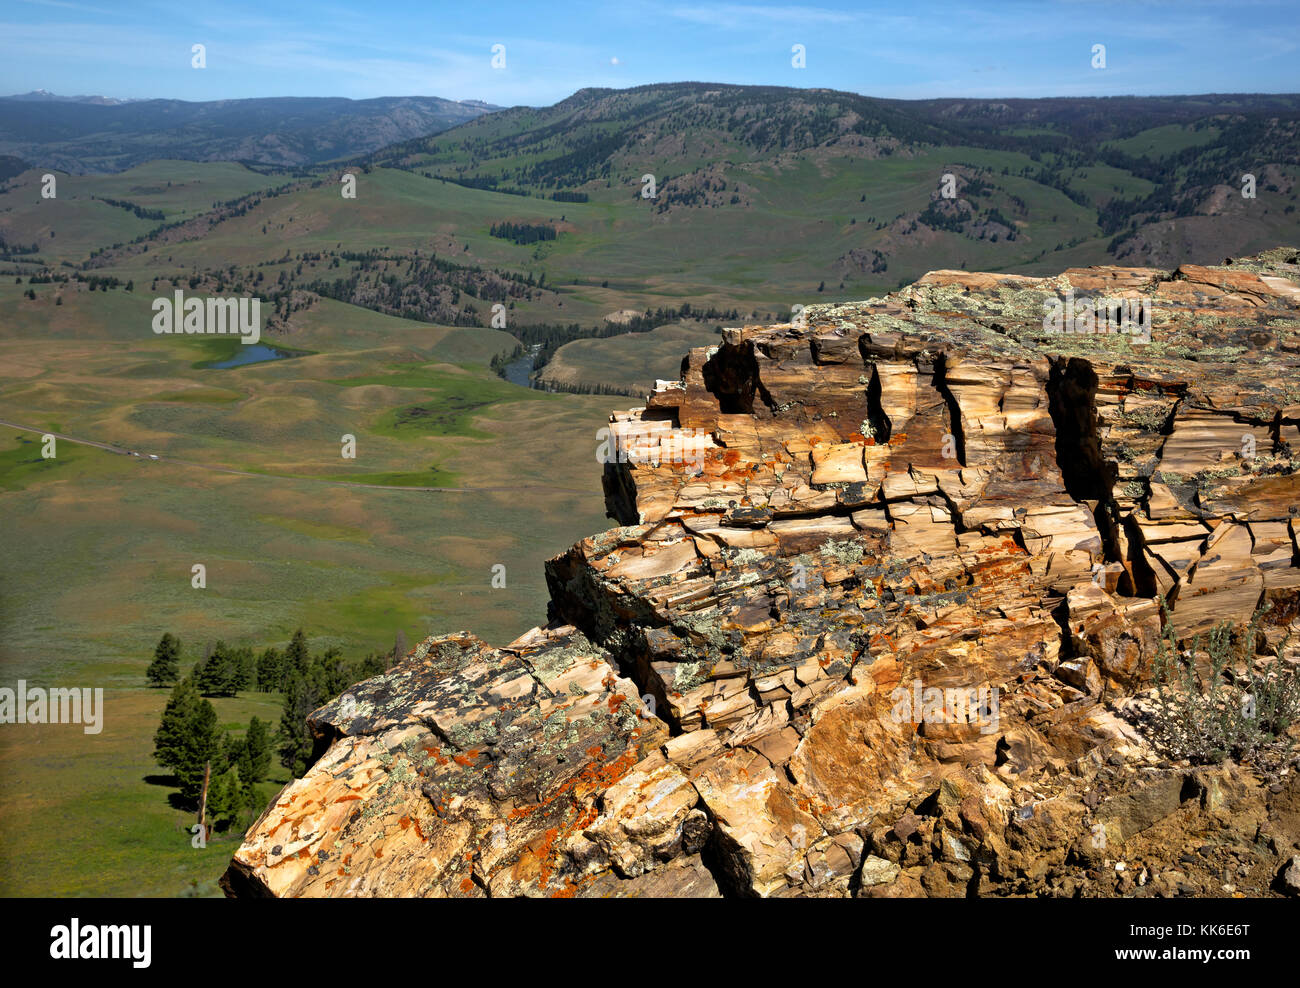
(881, 576)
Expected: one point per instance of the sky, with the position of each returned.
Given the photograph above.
(905, 50)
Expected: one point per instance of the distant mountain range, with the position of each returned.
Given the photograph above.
(1153, 179)
(742, 172)
(45, 96)
(82, 134)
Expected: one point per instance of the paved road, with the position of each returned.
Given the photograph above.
(281, 476)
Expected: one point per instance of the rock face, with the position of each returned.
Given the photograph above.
(884, 578)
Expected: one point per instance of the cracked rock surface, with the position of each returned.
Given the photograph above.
(872, 636)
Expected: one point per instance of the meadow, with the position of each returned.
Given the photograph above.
(99, 546)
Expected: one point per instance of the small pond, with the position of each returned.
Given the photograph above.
(252, 353)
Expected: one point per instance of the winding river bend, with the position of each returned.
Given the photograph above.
(519, 371)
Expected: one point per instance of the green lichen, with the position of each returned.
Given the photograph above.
(466, 737)
(847, 553)
(399, 778)
(1204, 477)
(1151, 419)
(554, 661)
(688, 675)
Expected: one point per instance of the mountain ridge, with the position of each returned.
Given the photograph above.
(81, 136)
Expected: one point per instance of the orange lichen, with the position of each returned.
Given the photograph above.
(436, 755)
(544, 852)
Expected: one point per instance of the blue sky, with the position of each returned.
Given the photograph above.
(1026, 48)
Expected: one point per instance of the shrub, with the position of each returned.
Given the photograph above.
(1231, 709)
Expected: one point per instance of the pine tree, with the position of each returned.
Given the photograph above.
(270, 671)
(296, 656)
(250, 803)
(165, 667)
(374, 664)
(230, 753)
(205, 677)
(187, 738)
(218, 674)
(255, 756)
(303, 693)
(225, 802)
(244, 670)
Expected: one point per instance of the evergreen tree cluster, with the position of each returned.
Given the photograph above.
(190, 739)
(523, 233)
(311, 681)
(426, 289)
(8, 251)
(130, 207)
(190, 742)
(488, 182)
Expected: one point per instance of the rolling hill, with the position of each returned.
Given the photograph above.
(1141, 168)
(739, 200)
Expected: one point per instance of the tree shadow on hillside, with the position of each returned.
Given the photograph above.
(175, 799)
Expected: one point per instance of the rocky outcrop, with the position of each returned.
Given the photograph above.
(884, 583)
